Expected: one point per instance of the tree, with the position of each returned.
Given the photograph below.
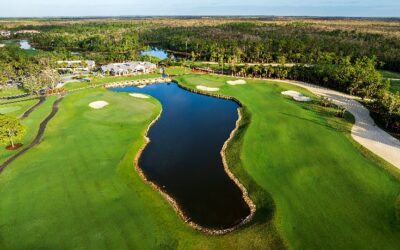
(11, 129)
(38, 81)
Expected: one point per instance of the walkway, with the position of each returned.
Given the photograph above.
(364, 130)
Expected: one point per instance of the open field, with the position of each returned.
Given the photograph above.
(11, 92)
(395, 79)
(78, 187)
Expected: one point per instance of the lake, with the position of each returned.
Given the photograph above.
(183, 157)
(156, 52)
(24, 44)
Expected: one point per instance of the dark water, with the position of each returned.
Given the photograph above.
(184, 158)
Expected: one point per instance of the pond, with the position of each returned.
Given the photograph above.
(156, 52)
(183, 157)
(24, 44)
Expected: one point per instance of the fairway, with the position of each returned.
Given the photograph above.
(313, 186)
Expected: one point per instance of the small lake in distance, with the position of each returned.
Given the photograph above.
(156, 52)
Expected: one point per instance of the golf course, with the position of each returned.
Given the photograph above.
(313, 186)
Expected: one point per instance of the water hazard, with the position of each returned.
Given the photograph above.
(183, 157)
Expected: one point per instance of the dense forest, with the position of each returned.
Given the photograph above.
(295, 42)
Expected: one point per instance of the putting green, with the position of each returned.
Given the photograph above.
(78, 187)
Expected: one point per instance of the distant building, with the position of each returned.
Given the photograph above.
(76, 65)
(27, 32)
(5, 33)
(128, 68)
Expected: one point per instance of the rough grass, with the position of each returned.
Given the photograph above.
(328, 193)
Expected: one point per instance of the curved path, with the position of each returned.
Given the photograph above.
(29, 111)
(39, 135)
(364, 130)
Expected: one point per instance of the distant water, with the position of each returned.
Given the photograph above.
(24, 44)
(160, 53)
(183, 156)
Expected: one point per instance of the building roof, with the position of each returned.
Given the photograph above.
(128, 66)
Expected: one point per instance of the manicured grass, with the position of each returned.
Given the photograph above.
(31, 122)
(78, 188)
(76, 85)
(395, 86)
(11, 92)
(176, 70)
(389, 74)
(329, 194)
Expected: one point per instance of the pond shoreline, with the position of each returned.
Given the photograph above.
(172, 201)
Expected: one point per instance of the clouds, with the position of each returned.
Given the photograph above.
(18, 8)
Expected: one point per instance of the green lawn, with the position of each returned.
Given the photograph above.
(176, 70)
(311, 183)
(394, 84)
(328, 193)
(31, 123)
(389, 74)
(11, 92)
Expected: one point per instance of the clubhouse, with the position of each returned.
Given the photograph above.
(128, 68)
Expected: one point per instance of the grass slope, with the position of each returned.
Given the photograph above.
(31, 123)
(394, 84)
(328, 193)
(78, 187)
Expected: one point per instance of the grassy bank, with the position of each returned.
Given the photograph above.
(312, 185)
(328, 193)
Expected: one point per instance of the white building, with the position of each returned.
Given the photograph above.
(128, 68)
(77, 65)
(5, 33)
(27, 32)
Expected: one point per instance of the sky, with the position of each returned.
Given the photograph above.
(352, 8)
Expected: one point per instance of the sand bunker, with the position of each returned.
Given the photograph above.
(137, 95)
(98, 104)
(141, 86)
(236, 82)
(206, 88)
(296, 96)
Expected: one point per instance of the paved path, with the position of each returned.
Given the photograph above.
(39, 135)
(364, 130)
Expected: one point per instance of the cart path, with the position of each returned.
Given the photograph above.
(29, 111)
(364, 130)
(38, 137)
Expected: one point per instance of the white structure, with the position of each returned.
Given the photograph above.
(27, 32)
(128, 68)
(2, 45)
(5, 33)
(76, 65)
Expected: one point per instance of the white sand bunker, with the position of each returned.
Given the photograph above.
(206, 88)
(98, 104)
(137, 95)
(296, 96)
(236, 82)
